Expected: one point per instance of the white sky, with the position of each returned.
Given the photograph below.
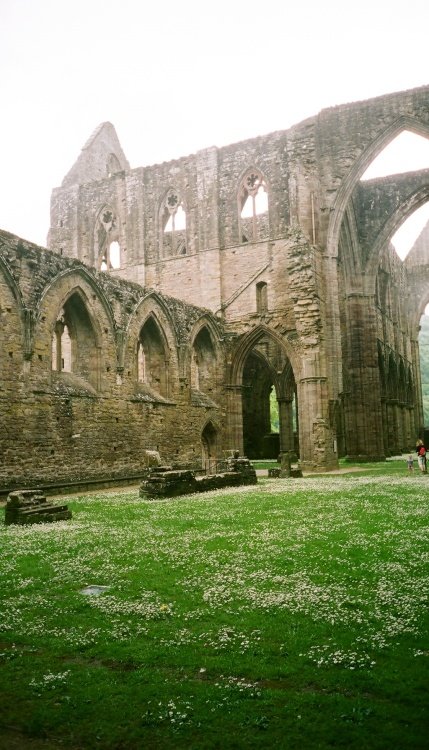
(175, 77)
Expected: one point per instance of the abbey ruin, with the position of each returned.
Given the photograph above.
(175, 298)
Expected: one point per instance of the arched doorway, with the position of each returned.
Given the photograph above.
(263, 398)
(209, 448)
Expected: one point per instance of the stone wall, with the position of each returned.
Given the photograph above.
(304, 296)
(96, 420)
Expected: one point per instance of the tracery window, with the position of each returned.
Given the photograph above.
(107, 248)
(253, 207)
(173, 225)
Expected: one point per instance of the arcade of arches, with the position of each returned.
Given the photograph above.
(176, 299)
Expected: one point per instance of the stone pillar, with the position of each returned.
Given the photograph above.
(285, 425)
(59, 329)
(285, 464)
(418, 403)
(408, 434)
(397, 442)
(234, 430)
(385, 424)
(402, 432)
(316, 437)
(362, 405)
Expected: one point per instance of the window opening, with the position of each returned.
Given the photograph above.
(177, 219)
(113, 165)
(410, 231)
(255, 203)
(152, 363)
(108, 251)
(174, 225)
(61, 346)
(261, 297)
(203, 363)
(253, 207)
(408, 152)
(74, 344)
(115, 254)
(141, 363)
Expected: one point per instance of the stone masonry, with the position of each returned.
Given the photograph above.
(176, 297)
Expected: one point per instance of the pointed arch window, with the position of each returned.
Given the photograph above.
(203, 363)
(261, 297)
(173, 225)
(141, 363)
(253, 207)
(74, 342)
(113, 165)
(152, 360)
(107, 249)
(61, 346)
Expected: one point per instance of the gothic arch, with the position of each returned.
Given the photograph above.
(113, 165)
(153, 357)
(79, 278)
(210, 445)
(106, 232)
(172, 219)
(359, 167)
(11, 283)
(75, 300)
(76, 333)
(248, 342)
(12, 289)
(203, 364)
(15, 324)
(348, 248)
(252, 184)
(152, 304)
(263, 360)
(151, 342)
(414, 201)
(206, 321)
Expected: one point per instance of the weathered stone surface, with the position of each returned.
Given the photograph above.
(176, 346)
(166, 482)
(31, 506)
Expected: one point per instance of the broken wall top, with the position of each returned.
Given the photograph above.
(101, 156)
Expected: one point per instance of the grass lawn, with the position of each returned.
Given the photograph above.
(292, 614)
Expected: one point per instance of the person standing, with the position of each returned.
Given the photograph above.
(421, 456)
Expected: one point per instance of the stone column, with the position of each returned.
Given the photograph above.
(362, 405)
(234, 430)
(409, 434)
(316, 436)
(59, 330)
(385, 423)
(285, 425)
(418, 403)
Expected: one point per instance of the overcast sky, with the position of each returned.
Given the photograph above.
(175, 77)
